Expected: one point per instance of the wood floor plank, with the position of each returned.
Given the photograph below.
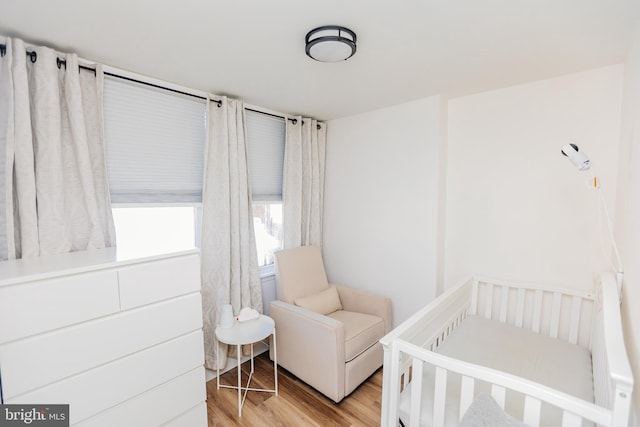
(297, 404)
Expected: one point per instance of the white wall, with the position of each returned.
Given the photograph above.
(516, 208)
(381, 202)
(627, 224)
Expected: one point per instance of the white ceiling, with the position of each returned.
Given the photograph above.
(407, 49)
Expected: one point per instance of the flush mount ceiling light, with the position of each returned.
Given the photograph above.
(330, 43)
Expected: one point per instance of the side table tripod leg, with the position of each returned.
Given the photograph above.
(239, 383)
(275, 361)
(251, 361)
(217, 364)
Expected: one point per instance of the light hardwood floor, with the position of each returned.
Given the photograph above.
(297, 404)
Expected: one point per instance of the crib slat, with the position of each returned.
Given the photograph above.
(394, 387)
(555, 315)
(498, 393)
(520, 307)
(488, 307)
(571, 420)
(439, 397)
(532, 408)
(474, 298)
(504, 303)
(537, 311)
(466, 394)
(416, 391)
(576, 305)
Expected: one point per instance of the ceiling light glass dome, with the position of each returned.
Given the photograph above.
(330, 43)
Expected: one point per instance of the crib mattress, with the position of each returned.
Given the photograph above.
(548, 361)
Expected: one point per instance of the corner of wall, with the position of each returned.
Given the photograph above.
(381, 230)
(627, 231)
(442, 194)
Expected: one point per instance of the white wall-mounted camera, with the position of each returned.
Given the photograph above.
(579, 159)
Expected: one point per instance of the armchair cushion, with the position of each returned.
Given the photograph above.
(299, 273)
(366, 302)
(361, 331)
(323, 302)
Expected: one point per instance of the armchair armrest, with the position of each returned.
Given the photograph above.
(311, 346)
(366, 302)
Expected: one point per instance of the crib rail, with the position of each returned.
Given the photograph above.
(427, 323)
(574, 410)
(568, 315)
(612, 375)
(427, 328)
(564, 314)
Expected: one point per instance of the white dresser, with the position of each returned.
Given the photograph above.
(119, 340)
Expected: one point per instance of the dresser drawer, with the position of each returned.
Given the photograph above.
(34, 307)
(195, 417)
(43, 359)
(156, 281)
(172, 400)
(106, 386)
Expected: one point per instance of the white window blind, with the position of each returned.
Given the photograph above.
(265, 147)
(154, 141)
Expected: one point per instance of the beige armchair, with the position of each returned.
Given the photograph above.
(327, 335)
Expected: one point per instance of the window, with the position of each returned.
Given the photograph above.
(155, 147)
(265, 141)
(267, 224)
(143, 231)
(154, 143)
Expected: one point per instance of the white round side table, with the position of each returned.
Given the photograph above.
(243, 333)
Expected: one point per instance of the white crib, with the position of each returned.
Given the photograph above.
(415, 360)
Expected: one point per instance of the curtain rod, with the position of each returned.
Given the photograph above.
(33, 56)
(294, 121)
(218, 101)
(60, 62)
